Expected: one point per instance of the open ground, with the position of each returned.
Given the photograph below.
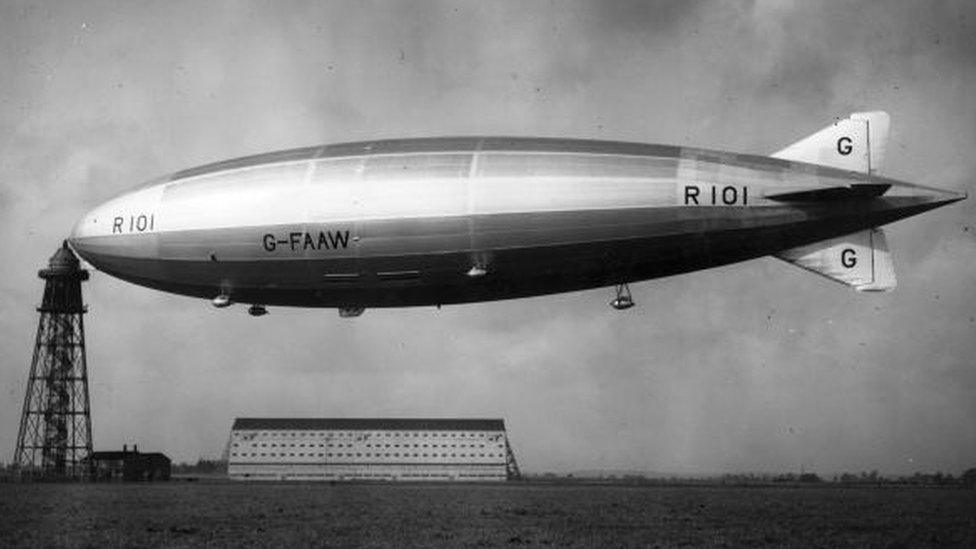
(442, 515)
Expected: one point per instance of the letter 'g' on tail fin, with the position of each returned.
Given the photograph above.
(856, 143)
(860, 260)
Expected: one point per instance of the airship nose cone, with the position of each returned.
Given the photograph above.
(78, 233)
(80, 228)
(88, 230)
(121, 228)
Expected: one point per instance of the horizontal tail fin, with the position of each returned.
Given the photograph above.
(827, 194)
(856, 143)
(860, 260)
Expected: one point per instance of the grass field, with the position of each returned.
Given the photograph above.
(411, 515)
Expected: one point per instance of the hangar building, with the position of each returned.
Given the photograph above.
(370, 449)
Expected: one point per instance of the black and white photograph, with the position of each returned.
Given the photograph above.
(488, 274)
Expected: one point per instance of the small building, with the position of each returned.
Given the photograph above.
(129, 465)
(370, 449)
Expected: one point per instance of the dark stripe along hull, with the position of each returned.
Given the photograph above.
(411, 262)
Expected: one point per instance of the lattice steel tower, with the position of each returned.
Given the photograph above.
(55, 426)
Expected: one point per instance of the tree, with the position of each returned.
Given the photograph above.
(810, 477)
(968, 478)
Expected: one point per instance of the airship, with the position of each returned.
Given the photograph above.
(437, 221)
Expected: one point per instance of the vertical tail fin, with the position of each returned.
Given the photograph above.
(860, 260)
(856, 143)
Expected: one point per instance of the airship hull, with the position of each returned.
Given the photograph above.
(441, 278)
(440, 221)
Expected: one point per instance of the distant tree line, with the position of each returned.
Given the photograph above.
(201, 467)
(865, 478)
(9, 473)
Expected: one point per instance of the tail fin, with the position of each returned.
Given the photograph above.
(860, 260)
(856, 143)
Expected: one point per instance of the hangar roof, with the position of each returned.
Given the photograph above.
(368, 424)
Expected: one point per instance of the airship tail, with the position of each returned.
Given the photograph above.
(860, 260)
(856, 143)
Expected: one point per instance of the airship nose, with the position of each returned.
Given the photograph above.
(82, 228)
(84, 233)
(119, 229)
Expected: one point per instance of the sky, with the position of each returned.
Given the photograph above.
(752, 367)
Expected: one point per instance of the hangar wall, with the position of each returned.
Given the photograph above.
(370, 449)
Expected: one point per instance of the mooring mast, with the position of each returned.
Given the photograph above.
(55, 426)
